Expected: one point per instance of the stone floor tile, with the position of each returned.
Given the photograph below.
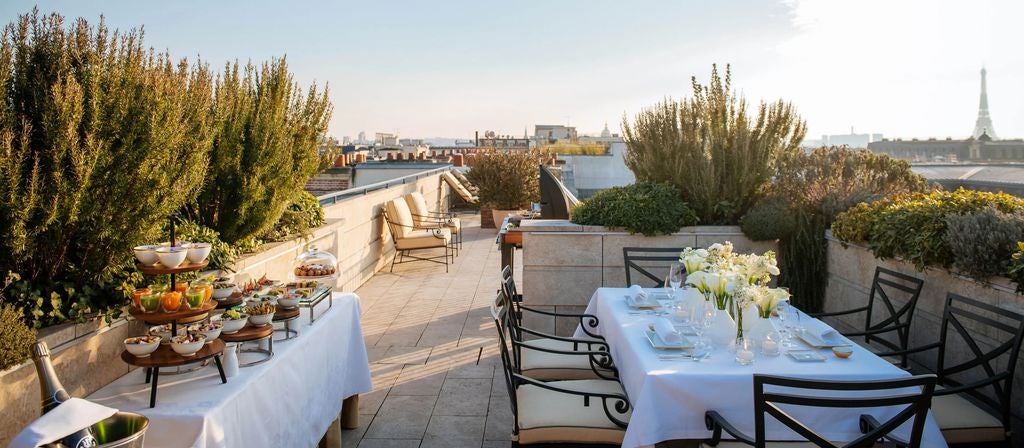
(389, 443)
(369, 403)
(496, 444)
(401, 417)
(499, 418)
(420, 380)
(471, 371)
(446, 431)
(350, 437)
(405, 355)
(463, 396)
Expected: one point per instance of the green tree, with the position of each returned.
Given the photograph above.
(710, 148)
(265, 148)
(100, 139)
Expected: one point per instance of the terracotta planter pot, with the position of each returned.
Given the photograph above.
(499, 215)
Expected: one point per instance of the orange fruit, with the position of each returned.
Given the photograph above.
(171, 301)
(181, 287)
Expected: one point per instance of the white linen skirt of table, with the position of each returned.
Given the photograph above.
(670, 398)
(289, 400)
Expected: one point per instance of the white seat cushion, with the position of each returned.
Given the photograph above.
(424, 239)
(547, 416)
(546, 366)
(962, 422)
(399, 215)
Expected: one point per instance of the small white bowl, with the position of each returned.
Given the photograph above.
(231, 326)
(287, 302)
(197, 252)
(188, 348)
(141, 350)
(161, 331)
(223, 293)
(260, 320)
(146, 254)
(210, 334)
(171, 257)
(181, 243)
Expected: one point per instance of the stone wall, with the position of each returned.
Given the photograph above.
(851, 270)
(87, 356)
(563, 263)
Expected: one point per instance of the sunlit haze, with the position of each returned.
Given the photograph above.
(449, 68)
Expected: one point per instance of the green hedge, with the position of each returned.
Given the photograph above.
(644, 207)
(913, 226)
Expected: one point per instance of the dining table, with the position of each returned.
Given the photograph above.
(289, 400)
(670, 391)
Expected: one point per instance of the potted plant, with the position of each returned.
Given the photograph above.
(507, 181)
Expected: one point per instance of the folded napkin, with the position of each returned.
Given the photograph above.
(66, 418)
(820, 329)
(636, 296)
(666, 331)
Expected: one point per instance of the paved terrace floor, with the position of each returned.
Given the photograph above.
(433, 353)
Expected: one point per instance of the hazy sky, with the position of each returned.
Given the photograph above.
(448, 68)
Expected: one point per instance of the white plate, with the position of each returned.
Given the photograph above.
(657, 343)
(816, 341)
(805, 356)
(648, 304)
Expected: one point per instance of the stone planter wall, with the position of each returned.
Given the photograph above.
(87, 356)
(851, 270)
(563, 263)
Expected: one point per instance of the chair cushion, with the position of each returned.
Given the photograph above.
(418, 207)
(398, 213)
(547, 416)
(424, 239)
(454, 224)
(962, 421)
(546, 366)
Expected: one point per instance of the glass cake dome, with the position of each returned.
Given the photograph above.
(315, 264)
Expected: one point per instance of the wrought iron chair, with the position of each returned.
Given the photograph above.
(588, 322)
(549, 357)
(408, 237)
(794, 392)
(423, 217)
(593, 411)
(641, 259)
(985, 418)
(885, 287)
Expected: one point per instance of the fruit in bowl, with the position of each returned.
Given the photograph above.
(211, 330)
(137, 296)
(223, 290)
(195, 297)
(262, 314)
(197, 252)
(171, 257)
(146, 254)
(232, 321)
(161, 331)
(150, 302)
(188, 344)
(288, 301)
(142, 346)
(171, 301)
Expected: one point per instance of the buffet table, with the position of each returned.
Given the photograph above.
(290, 400)
(670, 396)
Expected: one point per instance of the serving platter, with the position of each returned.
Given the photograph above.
(159, 269)
(161, 317)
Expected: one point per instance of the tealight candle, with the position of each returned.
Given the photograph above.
(770, 346)
(744, 355)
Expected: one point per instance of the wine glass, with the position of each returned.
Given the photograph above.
(704, 318)
(782, 316)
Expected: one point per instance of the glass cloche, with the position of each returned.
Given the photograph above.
(315, 264)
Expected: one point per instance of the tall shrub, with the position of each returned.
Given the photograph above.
(506, 179)
(809, 191)
(643, 207)
(709, 147)
(265, 148)
(101, 139)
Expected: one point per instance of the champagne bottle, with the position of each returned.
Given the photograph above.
(53, 394)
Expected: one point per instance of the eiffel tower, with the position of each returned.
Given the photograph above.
(984, 123)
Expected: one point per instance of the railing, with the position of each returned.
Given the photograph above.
(338, 196)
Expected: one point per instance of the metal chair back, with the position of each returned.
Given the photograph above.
(887, 286)
(913, 393)
(644, 259)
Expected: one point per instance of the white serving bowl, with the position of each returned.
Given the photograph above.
(161, 331)
(146, 254)
(181, 243)
(223, 293)
(260, 320)
(197, 252)
(141, 350)
(171, 257)
(288, 302)
(231, 326)
(188, 348)
(210, 334)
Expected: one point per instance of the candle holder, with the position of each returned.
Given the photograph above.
(771, 343)
(744, 355)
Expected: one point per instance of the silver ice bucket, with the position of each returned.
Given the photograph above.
(123, 430)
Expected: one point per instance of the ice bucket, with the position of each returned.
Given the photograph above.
(123, 429)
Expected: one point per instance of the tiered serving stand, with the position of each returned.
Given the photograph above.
(165, 356)
(251, 333)
(286, 316)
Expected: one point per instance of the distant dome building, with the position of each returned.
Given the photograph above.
(606, 133)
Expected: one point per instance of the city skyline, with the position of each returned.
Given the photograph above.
(905, 70)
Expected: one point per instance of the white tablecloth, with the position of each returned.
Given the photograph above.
(671, 397)
(289, 400)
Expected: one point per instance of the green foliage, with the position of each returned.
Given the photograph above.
(507, 180)
(16, 338)
(301, 216)
(1015, 270)
(222, 254)
(711, 149)
(912, 226)
(810, 189)
(769, 219)
(982, 243)
(569, 148)
(265, 149)
(644, 207)
(101, 139)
